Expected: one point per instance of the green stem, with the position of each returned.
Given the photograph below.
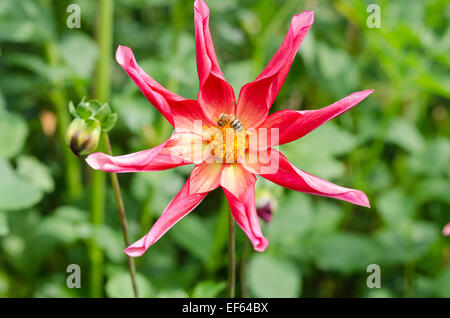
(102, 90)
(409, 280)
(231, 257)
(243, 269)
(123, 219)
(104, 38)
(58, 98)
(219, 240)
(98, 191)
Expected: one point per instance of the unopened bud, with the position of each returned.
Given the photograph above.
(83, 136)
(91, 118)
(266, 204)
(446, 230)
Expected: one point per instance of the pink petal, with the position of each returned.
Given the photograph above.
(183, 203)
(237, 180)
(159, 96)
(216, 96)
(174, 152)
(189, 117)
(205, 177)
(244, 212)
(256, 98)
(293, 124)
(446, 230)
(239, 187)
(291, 177)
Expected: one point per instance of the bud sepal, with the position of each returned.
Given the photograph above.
(91, 119)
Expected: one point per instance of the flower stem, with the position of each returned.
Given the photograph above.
(243, 269)
(98, 186)
(231, 257)
(122, 217)
(104, 38)
(97, 208)
(220, 239)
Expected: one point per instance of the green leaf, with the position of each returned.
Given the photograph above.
(16, 193)
(13, 133)
(406, 242)
(293, 219)
(2, 102)
(110, 122)
(433, 160)
(208, 289)
(193, 234)
(395, 206)
(37, 173)
(111, 242)
(65, 225)
(72, 110)
(316, 152)
(343, 252)
(4, 284)
(103, 112)
(429, 190)
(119, 286)
(37, 65)
(134, 112)
(83, 110)
(273, 277)
(405, 134)
(79, 52)
(162, 185)
(442, 284)
(332, 67)
(54, 287)
(24, 21)
(238, 74)
(4, 227)
(172, 293)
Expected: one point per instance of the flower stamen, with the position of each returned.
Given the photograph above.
(229, 139)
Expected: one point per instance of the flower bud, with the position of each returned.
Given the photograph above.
(91, 118)
(266, 204)
(446, 230)
(83, 135)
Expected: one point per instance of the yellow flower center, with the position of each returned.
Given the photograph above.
(228, 140)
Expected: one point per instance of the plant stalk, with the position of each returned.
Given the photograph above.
(98, 187)
(122, 217)
(231, 257)
(243, 269)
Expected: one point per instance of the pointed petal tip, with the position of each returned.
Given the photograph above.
(303, 20)
(261, 244)
(93, 160)
(134, 251)
(363, 200)
(121, 53)
(361, 95)
(368, 91)
(307, 14)
(201, 7)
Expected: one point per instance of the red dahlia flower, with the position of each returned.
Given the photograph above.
(222, 150)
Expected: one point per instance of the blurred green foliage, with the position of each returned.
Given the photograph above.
(395, 146)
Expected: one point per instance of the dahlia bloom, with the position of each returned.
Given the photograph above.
(222, 151)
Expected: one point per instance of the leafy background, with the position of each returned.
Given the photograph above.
(394, 146)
